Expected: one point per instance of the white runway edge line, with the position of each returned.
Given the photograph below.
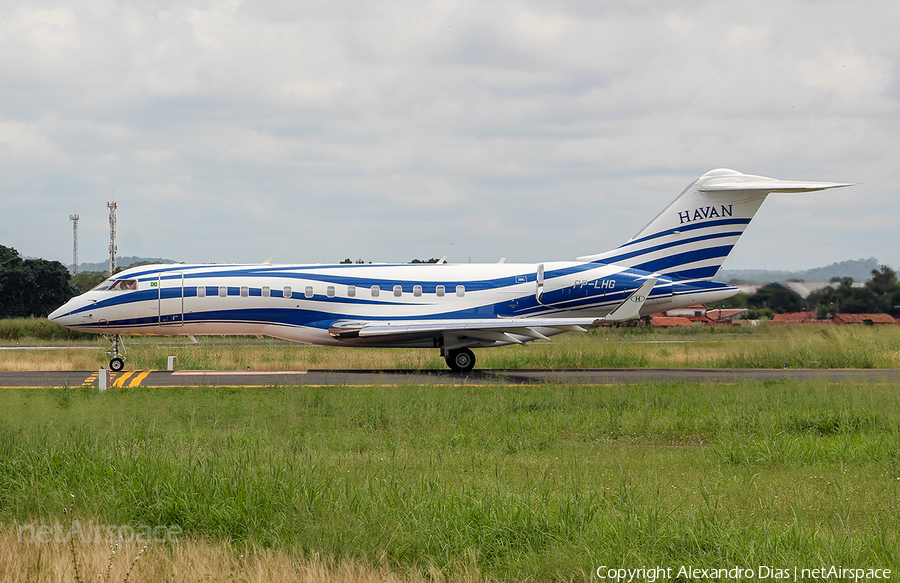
(195, 373)
(48, 348)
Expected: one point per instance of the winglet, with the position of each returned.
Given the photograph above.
(631, 307)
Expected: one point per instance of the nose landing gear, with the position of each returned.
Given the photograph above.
(118, 358)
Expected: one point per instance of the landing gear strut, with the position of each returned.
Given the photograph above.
(118, 358)
(459, 359)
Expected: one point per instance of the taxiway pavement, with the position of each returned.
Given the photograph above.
(257, 378)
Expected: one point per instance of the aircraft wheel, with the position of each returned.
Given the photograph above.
(116, 364)
(460, 360)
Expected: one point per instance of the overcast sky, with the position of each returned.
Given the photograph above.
(393, 130)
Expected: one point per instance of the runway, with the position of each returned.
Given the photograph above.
(252, 378)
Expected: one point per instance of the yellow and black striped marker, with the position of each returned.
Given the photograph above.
(132, 378)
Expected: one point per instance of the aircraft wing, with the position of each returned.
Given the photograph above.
(466, 332)
(346, 329)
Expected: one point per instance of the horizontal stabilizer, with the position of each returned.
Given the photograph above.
(771, 185)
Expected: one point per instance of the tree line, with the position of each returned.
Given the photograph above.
(36, 287)
(879, 295)
(31, 287)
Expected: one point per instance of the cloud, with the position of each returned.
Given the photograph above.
(389, 130)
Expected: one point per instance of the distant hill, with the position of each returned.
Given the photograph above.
(120, 262)
(860, 270)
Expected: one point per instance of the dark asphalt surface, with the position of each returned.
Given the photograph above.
(238, 378)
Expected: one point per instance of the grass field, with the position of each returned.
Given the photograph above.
(540, 483)
(810, 346)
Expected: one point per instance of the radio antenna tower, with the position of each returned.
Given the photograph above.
(112, 237)
(74, 219)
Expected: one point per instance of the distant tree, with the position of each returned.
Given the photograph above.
(432, 260)
(861, 300)
(31, 287)
(50, 286)
(824, 312)
(884, 281)
(777, 298)
(885, 286)
(892, 303)
(8, 254)
(829, 301)
(345, 261)
(87, 280)
(879, 295)
(12, 283)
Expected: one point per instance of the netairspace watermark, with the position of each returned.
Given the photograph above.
(91, 532)
(758, 573)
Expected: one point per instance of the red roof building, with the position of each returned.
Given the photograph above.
(877, 319)
(668, 321)
(793, 318)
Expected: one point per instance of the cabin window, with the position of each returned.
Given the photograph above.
(398, 291)
(266, 291)
(287, 291)
(375, 291)
(351, 291)
(308, 292)
(417, 291)
(223, 291)
(329, 291)
(201, 291)
(439, 290)
(245, 291)
(460, 291)
(124, 284)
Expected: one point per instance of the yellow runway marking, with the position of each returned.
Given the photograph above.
(89, 382)
(136, 381)
(120, 380)
(133, 378)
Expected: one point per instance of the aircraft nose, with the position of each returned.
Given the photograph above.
(62, 315)
(56, 314)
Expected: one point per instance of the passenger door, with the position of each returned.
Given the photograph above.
(171, 299)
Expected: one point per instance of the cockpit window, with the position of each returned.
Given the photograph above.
(105, 285)
(117, 285)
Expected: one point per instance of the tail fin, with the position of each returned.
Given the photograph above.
(692, 236)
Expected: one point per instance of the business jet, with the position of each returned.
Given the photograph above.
(668, 264)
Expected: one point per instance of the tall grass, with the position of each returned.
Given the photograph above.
(698, 347)
(37, 329)
(546, 482)
(197, 560)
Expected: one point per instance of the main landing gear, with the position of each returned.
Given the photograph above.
(118, 358)
(459, 359)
